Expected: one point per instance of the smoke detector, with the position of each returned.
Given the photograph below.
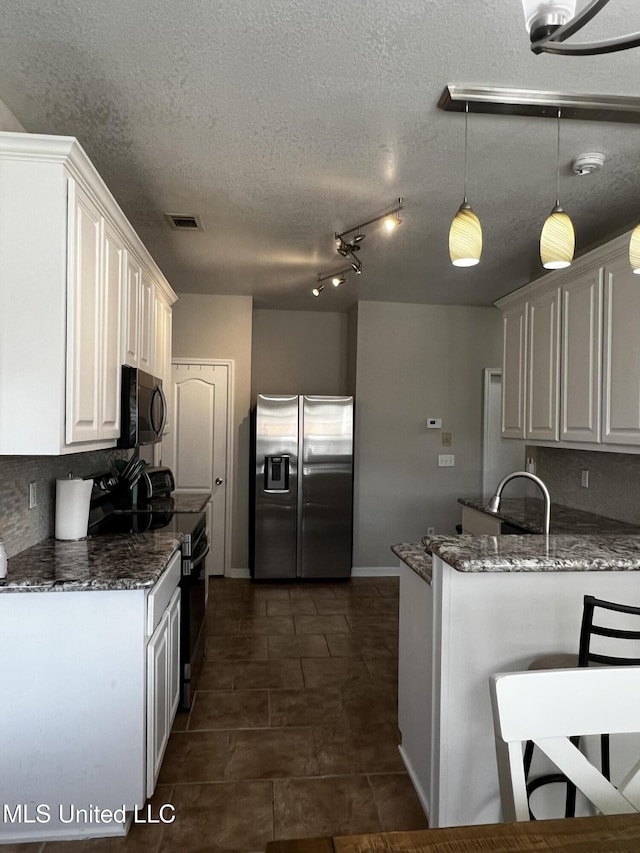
(586, 164)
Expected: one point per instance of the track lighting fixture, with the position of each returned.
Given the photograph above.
(391, 216)
(356, 266)
(465, 233)
(346, 249)
(337, 278)
(558, 239)
(551, 22)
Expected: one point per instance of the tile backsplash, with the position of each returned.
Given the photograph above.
(21, 527)
(614, 480)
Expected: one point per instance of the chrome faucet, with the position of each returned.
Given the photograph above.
(494, 503)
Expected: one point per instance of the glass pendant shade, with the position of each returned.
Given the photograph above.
(465, 238)
(634, 250)
(557, 241)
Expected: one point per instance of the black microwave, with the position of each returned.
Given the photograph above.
(143, 408)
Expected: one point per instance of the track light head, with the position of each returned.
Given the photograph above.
(336, 281)
(391, 222)
(356, 266)
(318, 290)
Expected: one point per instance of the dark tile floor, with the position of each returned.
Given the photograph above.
(293, 731)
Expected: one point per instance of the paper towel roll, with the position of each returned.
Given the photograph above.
(72, 508)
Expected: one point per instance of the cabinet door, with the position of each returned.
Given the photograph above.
(543, 331)
(514, 341)
(110, 371)
(621, 354)
(147, 322)
(131, 312)
(174, 655)
(83, 317)
(158, 718)
(581, 357)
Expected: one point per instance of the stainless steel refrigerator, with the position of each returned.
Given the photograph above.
(303, 487)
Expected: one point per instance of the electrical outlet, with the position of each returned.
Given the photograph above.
(431, 531)
(33, 495)
(446, 439)
(584, 478)
(446, 460)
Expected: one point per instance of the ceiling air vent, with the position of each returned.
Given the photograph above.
(184, 222)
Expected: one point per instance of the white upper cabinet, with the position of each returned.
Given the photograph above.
(580, 358)
(514, 341)
(582, 370)
(73, 306)
(543, 330)
(131, 312)
(621, 362)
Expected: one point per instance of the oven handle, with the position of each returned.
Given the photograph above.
(191, 564)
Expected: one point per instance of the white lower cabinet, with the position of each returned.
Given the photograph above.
(91, 681)
(163, 687)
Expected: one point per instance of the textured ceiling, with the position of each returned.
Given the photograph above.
(279, 122)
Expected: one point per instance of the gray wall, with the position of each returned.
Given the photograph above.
(8, 122)
(22, 527)
(614, 480)
(415, 362)
(220, 327)
(299, 352)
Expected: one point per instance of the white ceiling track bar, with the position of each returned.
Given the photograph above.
(496, 100)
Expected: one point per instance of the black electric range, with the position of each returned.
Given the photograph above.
(110, 515)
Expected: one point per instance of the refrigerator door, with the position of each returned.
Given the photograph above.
(276, 487)
(326, 491)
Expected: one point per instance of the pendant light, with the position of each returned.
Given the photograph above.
(558, 239)
(465, 234)
(634, 250)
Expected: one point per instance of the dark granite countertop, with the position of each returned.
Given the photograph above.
(528, 514)
(121, 561)
(538, 553)
(416, 557)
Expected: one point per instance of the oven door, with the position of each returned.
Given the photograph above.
(192, 617)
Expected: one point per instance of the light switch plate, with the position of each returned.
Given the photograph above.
(33, 495)
(446, 460)
(434, 423)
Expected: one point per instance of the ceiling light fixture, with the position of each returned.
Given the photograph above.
(551, 22)
(390, 216)
(558, 239)
(465, 233)
(634, 250)
(337, 278)
(318, 290)
(346, 249)
(356, 266)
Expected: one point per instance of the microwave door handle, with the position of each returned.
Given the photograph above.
(199, 557)
(157, 431)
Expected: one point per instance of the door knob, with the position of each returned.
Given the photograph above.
(219, 482)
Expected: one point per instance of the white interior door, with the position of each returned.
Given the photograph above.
(196, 448)
(500, 455)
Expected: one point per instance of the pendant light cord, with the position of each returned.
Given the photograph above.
(558, 163)
(466, 131)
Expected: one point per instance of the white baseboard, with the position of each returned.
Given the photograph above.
(375, 571)
(424, 802)
(239, 573)
(356, 572)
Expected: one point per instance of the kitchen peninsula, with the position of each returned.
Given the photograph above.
(490, 604)
(89, 667)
